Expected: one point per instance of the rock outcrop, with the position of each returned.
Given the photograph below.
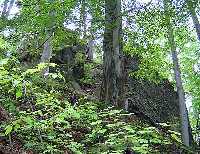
(158, 101)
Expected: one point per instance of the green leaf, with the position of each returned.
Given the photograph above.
(17, 126)
(96, 122)
(8, 129)
(18, 93)
(102, 131)
(54, 76)
(29, 121)
(4, 61)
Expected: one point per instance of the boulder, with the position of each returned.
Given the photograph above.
(157, 100)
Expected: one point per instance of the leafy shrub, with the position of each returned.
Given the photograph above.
(46, 121)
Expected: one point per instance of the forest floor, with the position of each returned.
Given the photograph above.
(13, 144)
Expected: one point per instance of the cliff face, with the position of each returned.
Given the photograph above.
(158, 101)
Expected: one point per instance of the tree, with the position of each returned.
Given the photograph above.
(177, 75)
(113, 61)
(10, 7)
(5, 5)
(7, 8)
(191, 7)
(83, 23)
(47, 50)
(83, 17)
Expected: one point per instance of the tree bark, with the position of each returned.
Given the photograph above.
(9, 7)
(113, 59)
(177, 75)
(83, 29)
(191, 7)
(5, 5)
(90, 49)
(83, 17)
(47, 50)
(181, 96)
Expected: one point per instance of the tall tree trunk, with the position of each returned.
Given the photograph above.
(90, 46)
(177, 75)
(5, 5)
(83, 29)
(7, 8)
(181, 95)
(113, 72)
(83, 17)
(191, 7)
(47, 50)
(10, 7)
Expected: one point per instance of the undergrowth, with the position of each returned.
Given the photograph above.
(47, 116)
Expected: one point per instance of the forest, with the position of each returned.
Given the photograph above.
(99, 76)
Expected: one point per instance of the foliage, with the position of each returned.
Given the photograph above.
(42, 114)
(47, 122)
